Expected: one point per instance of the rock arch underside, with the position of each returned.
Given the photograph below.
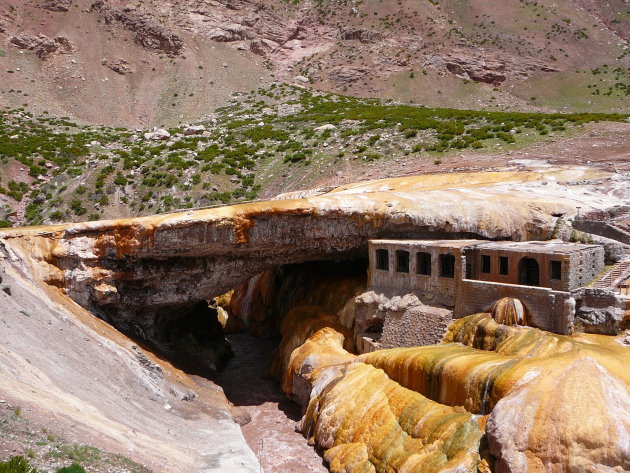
(478, 401)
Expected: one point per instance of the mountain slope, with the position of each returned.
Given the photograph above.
(164, 63)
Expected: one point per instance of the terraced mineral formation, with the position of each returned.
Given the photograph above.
(426, 408)
(368, 423)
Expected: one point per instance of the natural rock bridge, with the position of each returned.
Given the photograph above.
(132, 272)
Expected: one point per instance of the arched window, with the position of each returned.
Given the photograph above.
(447, 266)
(382, 259)
(402, 261)
(528, 272)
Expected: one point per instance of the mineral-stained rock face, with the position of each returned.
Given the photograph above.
(368, 423)
(323, 348)
(509, 311)
(134, 271)
(262, 304)
(550, 402)
(555, 403)
(540, 426)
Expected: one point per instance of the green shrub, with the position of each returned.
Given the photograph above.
(266, 132)
(77, 207)
(74, 468)
(17, 464)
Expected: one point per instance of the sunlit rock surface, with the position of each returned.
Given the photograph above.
(509, 311)
(366, 422)
(323, 348)
(556, 403)
(85, 382)
(546, 402)
(132, 272)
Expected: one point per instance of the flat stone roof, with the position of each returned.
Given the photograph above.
(551, 246)
(433, 243)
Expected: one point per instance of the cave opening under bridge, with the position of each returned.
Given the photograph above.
(244, 352)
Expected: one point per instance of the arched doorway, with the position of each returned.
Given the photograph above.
(528, 272)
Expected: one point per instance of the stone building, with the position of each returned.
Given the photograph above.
(469, 276)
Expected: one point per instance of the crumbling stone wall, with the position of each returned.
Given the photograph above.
(602, 311)
(547, 309)
(410, 323)
(406, 322)
(432, 289)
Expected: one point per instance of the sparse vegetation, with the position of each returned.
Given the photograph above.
(78, 172)
(45, 452)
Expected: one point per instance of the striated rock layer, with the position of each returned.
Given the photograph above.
(368, 423)
(133, 272)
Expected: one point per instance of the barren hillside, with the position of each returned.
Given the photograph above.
(167, 62)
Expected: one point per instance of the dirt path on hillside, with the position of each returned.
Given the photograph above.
(271, 432)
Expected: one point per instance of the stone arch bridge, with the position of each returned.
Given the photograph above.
(132, 272)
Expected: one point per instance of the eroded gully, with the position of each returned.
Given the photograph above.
(271, 432)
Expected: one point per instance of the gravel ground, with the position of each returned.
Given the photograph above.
(271, 432)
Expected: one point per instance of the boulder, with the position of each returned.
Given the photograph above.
(327, 126)
(55, 5)
(158, 135)
(119, 66)
(194, 130)
(302, 79)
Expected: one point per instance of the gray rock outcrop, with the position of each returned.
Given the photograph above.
(148, 31)
(43, 46)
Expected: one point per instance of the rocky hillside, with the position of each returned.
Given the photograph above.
(273, 140)
(166, 62)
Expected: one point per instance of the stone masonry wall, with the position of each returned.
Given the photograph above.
(413, 324)
(584, 266)
(407, 322)
(431, 289)
(603, 229)
(549, 310)
(602, 311)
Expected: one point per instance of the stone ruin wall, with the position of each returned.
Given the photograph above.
(418, 325)
(602, 311)
(553, 311)
(584, 266)
(434, 289)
